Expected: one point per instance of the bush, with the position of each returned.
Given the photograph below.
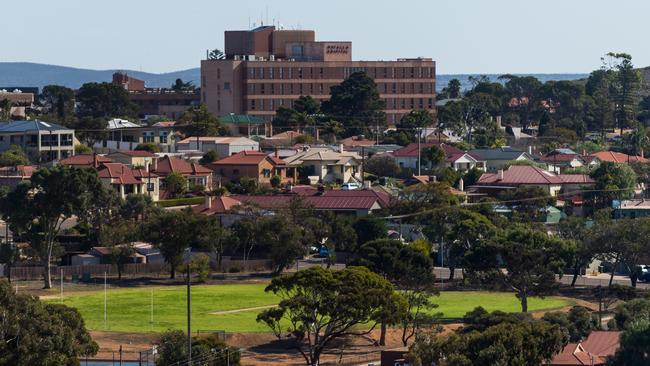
(382, 165)
(209, 157)
(82, 149)
(197, 188)
(201, 266)
(172, 350)
(176, 184)
(276, 180)
(148, 146)
(181, 202)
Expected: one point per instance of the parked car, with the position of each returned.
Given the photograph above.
(324, 251)
(350, 186)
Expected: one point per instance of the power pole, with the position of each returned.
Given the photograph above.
(189, 327)
(419, 153)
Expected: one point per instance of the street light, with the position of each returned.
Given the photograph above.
(188, 258)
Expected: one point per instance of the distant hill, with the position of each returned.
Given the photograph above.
(38, 75)
(26, 74)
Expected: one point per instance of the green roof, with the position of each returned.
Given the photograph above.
(241, 118)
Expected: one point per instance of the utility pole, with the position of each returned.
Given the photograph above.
(104, 300)
(419, 152)
(189, 328)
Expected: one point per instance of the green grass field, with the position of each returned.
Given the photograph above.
(129, 310)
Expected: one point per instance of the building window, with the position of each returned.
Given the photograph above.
(266, 173)
(163, 136)
(147, 136)
(151, 187)
(281, 70)
(300, 73)
(261, 88)
(261, 73)
(270, 73)
(226, 86)
(218, 73)
(252, 104)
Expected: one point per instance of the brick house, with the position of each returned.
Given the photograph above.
(252, 164)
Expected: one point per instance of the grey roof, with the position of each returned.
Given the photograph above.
(502, 153)
(30, 126)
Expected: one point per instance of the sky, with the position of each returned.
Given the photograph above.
(462, 36)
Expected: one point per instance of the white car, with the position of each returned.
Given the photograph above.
(350, 186)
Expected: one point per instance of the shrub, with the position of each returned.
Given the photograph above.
(201, 266)
(148, 146)
(276, 180)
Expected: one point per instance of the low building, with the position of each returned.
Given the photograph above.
(11, 176)
(498, 158)
(41, 141)
(631, 209)
(455, 158)
(560, 160)
(252, 164)
(135, 158)
(223, 146)
(194, 173)
(126, 180)
(20, 101)
(245, 125)
(595, 350)
(617, 157)
(530, 176)
(125, 135)
(324, 165)
(85, 160)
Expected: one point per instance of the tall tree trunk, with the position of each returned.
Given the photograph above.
(576, 272)
(611, 277)
(633, 279)
(452, 271)
(48, 265)
(173, 272)
(524, 303)
(382, 335)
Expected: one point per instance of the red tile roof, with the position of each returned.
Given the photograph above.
(524, 174)
(219, 205)
(593, 351)
(355, 141)
(248, 157)
(84, 160)
(317, 202)
(169, 164)
(136, 153)
(559, 158)
(451, 153)
(617, 157)
(304, 191)
(118, 173)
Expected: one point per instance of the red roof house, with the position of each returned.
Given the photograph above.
(617, 157)
(85, 160)
(525, 175)
(595, 350)
(407, 157)
(195, 173)
(126, 180)
(252, 164)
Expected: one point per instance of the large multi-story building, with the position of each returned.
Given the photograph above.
(265, 68)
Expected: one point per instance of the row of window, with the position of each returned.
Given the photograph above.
(338, 72)
(150, 137)
(46, 140)
(391, 103)
(324, 88)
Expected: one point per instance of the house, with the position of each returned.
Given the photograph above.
(85, 160)
(220, 207)
(11, 176)
(560, 160)
(530, 176)
(252, 164)
(595, 350)
(617, 157)
(194, 173)
(150, 253)
(631, 209)
(41, 141)
(354, 142)
(498, 158)
(104, 253)
(224, 146)
(325, 165)
(455, 158)
(20, 100)
(126, 135)
(135, 158)
(246, 125)
(126, 180)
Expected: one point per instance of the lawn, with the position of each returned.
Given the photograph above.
(129, 310)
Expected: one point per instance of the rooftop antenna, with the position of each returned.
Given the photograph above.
(249, 22)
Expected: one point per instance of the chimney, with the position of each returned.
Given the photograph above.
(500, 174)
(208, 202)
(341, 148)
(276, 152)
(95, 161)
(461, 185)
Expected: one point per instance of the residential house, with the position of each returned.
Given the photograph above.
(126, 180)
(85, 160)
(253, 164)
(355, 142)
(104, 254)
(560, 160)
(617, 157)
(194, 173)
(498, 158)
(530, 176)
(135, 158)
(631, 209)
(358, 202)
(246, 125)
(11, 176)
(325, 165)
(224, 146)
(41, 141)
(20, 101)
(125, 135)
(455, 158)
(593, 351)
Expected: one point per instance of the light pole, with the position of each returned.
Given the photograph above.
(188, 257)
